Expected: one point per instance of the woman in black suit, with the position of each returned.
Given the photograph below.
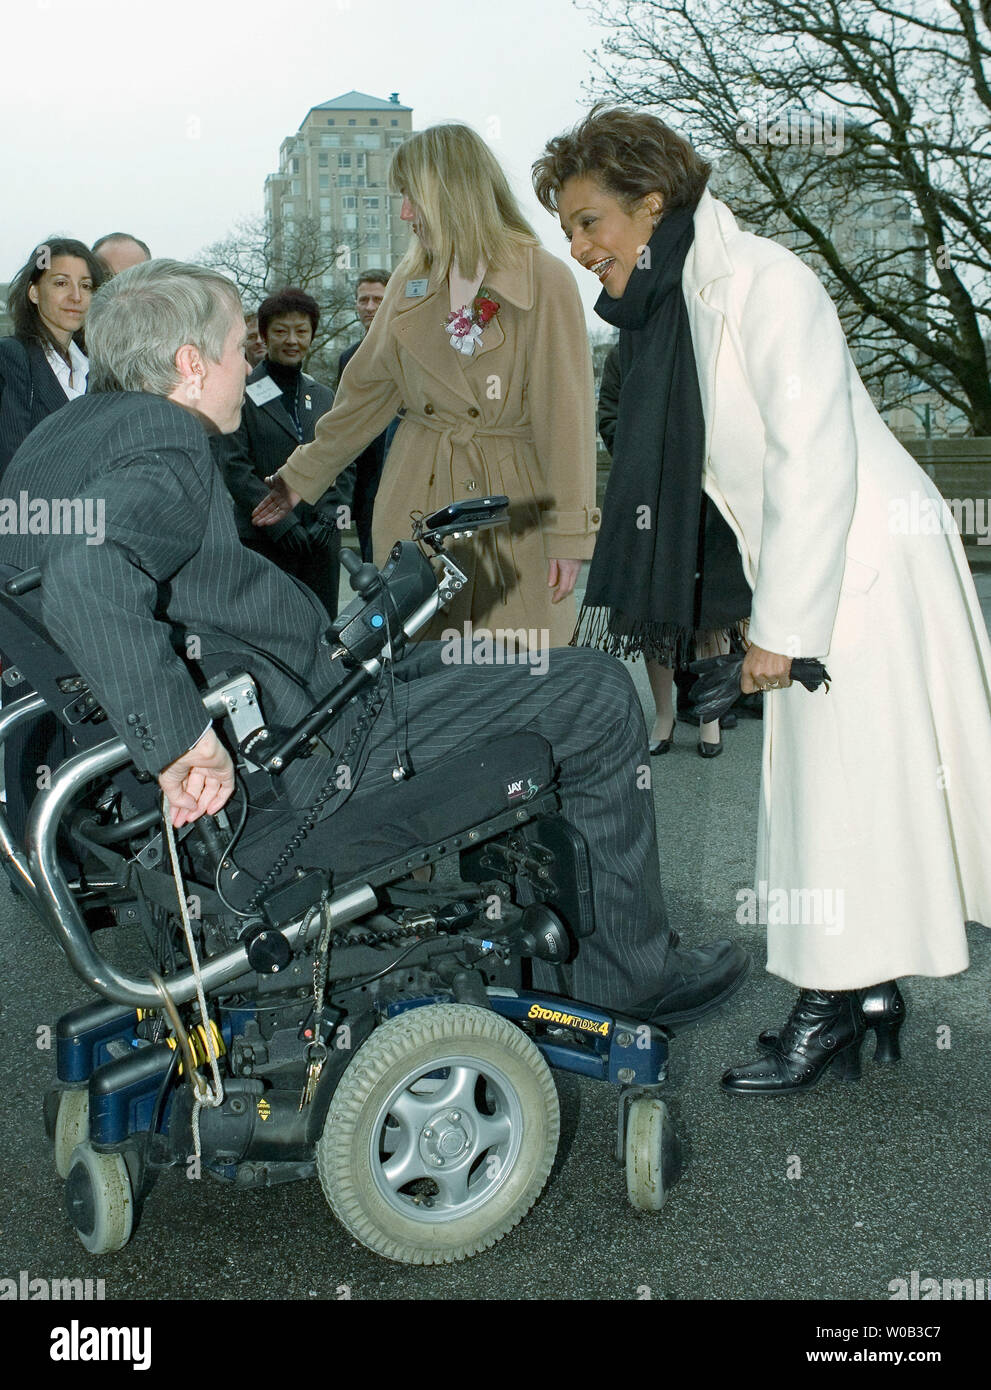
(41, 368)
(43, 365)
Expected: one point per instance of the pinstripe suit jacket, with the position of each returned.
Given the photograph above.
(170, 569)
(29, 391)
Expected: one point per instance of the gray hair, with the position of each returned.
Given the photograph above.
(141, 318)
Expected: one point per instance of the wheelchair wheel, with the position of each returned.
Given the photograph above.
(99, 1199)
(440, 1134)
(651, 1154)
(71, 1127)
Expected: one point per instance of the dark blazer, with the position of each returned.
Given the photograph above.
(29, 391)
(262, 443)
(171, 576)
(367, 468)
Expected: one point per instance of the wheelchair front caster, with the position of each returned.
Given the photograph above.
(99, 1199)
(440, 1135)
(71, 1127)
(651, 1154)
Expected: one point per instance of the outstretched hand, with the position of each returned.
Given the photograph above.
(200, 783)
(278, 504)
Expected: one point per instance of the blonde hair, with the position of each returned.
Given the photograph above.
(468, 212)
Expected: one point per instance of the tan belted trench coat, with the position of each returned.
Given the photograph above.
(517, 417)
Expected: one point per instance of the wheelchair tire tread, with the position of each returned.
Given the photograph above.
(378, 1066)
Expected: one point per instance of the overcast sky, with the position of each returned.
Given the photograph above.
(164, 119)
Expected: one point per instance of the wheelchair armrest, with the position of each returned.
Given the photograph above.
(55, 899)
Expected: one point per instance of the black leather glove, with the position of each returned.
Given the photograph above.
(322, 535)
(295, 542)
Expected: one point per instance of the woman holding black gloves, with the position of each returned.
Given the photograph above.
(740, 398)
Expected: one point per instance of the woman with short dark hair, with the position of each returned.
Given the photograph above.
(738, 387)
(43, 364)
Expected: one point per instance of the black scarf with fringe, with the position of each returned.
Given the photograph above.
(645, 592)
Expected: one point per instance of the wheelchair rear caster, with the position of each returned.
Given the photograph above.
(648, 1146)
(440, 1135)
(100, 1199)
(71, 1127)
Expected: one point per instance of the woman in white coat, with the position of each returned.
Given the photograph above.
(874, 838)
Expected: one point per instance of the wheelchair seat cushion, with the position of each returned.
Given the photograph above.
(440, 801)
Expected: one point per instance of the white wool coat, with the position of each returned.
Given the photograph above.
(875, 799)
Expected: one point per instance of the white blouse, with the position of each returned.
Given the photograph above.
(72, 378)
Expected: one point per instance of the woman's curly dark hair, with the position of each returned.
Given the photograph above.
(628, 153)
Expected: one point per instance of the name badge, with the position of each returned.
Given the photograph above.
(308, 402)
(416, 289)
(262, 391)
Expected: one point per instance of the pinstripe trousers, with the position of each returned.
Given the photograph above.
(587, 709)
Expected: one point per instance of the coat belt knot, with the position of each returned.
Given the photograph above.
(462, 433)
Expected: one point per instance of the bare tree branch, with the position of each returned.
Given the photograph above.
(895, 211)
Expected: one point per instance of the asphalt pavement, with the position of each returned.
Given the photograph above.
(830, 1195)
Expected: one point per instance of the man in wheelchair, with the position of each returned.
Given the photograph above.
(407, 754)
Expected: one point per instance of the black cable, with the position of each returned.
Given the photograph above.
(369, 979)
(355, 744)
(227, 852)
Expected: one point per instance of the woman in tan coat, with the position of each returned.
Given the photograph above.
(499, 402)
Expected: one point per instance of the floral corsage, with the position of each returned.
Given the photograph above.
(465, 324)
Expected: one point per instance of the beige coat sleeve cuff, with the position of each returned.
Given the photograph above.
(571, 535)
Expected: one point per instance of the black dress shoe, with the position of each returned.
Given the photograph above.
(710, 750)
(883, 1009)
(663, 745)
(695, 981)
(825, 1029)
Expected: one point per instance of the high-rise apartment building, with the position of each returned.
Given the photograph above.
(333, 178)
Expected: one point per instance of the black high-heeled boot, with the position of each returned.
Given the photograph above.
(884, 1010)
(825, 1029)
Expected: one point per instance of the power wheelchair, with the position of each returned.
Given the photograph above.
(354, 1022)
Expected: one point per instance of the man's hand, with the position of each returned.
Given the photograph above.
(278, 504)
(199, 783)
(764, 670)
(562, 576)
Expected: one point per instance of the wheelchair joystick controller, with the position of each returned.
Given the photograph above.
(365, 578)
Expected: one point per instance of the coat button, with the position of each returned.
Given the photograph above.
(471, 485)
(148, 744)
(428, 409)
(132, 719)
(472, 411)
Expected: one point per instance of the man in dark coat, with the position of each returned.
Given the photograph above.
(170, 578)
(281, 408)
(368, 465)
